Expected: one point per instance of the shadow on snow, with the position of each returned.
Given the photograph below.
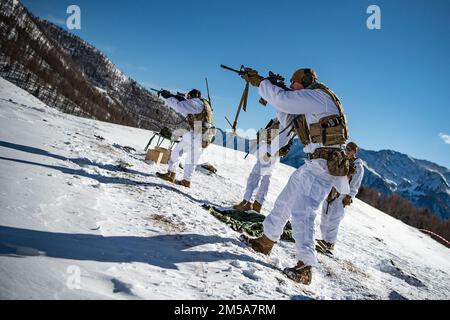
(80, 172)
(163, 251)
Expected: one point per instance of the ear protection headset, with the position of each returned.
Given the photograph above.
(308, 78)
(194, 93)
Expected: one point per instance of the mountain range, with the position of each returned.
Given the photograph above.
(424, 183)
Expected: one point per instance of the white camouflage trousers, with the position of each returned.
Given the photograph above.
(190, 146)
(332, 215)
(300, 201)
(259, 181)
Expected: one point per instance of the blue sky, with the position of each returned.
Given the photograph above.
(394, 82)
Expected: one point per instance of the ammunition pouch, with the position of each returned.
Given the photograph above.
(337, 162)
(329, 131)
(301, 128)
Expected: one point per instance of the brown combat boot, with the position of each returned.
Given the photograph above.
(184, 183)
(323, 246)
(257, 206)
(262, 244)
(301, 273)
(168, 176)
(243, 206)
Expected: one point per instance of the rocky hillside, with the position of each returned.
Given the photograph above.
(71, 75)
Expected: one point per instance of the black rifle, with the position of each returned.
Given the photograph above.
(275, 79)
(207, 90)
(243, 103)
(179, 95)
(165, 133)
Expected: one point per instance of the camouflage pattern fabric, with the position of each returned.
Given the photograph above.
(248, 222)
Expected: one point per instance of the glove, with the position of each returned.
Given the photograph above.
(165, 94)
(283, 152)
(347, 200)
(252, 77)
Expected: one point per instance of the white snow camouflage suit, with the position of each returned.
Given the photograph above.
(259, 179)
(191, 142)
(333, 213)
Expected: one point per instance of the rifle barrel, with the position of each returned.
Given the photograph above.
(207, 90)
(231, 69)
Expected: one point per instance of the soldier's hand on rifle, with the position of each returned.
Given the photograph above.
(252, 77)
(165, 94)
(347, 200)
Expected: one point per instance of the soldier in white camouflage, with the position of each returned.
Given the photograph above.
(198, 112)
(333, 209)
(322, 128)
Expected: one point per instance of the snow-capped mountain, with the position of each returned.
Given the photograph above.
(71, 75)
(84, 217)
(424, 183)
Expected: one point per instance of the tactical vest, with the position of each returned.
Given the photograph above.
(266, 135)
(205, 116)
(330, 130)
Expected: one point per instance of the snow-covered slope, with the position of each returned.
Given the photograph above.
(75, 202)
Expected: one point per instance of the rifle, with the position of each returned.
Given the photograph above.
(165, 133)
(275, 79)
(179, 95)
(207, 90)
(243, 103)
